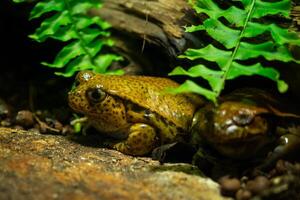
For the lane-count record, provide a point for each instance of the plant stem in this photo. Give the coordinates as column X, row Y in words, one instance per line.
column 229, row 63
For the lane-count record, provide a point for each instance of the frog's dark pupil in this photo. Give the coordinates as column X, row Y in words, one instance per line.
column 95, row 95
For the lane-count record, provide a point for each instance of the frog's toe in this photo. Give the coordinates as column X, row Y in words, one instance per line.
column 288, row 145
column 141, row 140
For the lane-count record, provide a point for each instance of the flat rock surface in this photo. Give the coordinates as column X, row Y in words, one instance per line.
column 36, row 166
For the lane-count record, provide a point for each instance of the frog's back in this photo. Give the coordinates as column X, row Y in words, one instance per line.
column 150, row 93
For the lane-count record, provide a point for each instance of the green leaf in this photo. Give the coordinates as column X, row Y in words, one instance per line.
column 257, row 69
column 235, row 16
column 115, row 72
column 68, row 53
column 246, row 3
column 248, row 70
column 83, row 22
column 67, row 33
column 19, row 1
column 209, row 53
column 241, row 25
column 82, row 7
column 280, row 35
column 78, row 64
column 50, row 26
column 64, row 34
column 86, row 35
column 104, row 61
column 263, row 8
column 217, row 30
column 94, row 47
column 282, row 86
column 190, row 86
column 206, row 6
column 212, row 76
column 90, row 34
column 43, row 7
column 268, row 50
column 83, row 63
column 193, row 28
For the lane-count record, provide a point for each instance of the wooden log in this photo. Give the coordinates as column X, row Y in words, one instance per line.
column 153, row 30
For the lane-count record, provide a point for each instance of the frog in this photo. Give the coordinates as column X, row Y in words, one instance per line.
column 136, row 112
column 248, row 124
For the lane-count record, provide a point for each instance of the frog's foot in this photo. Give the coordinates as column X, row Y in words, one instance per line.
column 288, row 145
column 141, row 140
column 174, row 152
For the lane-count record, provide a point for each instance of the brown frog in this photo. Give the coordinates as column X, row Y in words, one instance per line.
column 135, row 110
column 247, row 124
column 141, row 115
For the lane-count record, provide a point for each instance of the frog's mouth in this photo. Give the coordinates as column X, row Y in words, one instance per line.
column 256, row 146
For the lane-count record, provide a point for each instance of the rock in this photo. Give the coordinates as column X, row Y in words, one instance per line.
column 259, row 184
column 229, row 186
column 37, row 166
column 25, row 118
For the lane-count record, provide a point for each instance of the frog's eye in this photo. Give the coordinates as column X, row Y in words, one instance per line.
column 243, row 118
column 95, row 95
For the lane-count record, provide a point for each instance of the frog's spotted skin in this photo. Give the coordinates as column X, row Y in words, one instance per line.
column 116, row 104
column 142, row 138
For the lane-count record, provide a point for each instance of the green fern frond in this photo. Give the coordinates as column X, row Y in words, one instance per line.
column 85, row 36
column 242, row 26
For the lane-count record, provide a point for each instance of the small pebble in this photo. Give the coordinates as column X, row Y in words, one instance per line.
column 229, row 186
column 243, row 194
column 257, row 185
column 5, row 123
column 25, row 118
column 67, row 130
column 5, row 110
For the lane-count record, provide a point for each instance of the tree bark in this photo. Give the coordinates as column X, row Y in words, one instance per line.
column 153, row 30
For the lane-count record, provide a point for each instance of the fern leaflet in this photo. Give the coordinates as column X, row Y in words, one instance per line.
column 242, row 26
column 85, row 36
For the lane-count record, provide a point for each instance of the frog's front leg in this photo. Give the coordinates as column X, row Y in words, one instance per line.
column 288, row 145
column 140, row 141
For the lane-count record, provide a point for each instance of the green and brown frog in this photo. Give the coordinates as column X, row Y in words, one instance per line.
column 249, row 124
column 139, row 113
column 135, row 110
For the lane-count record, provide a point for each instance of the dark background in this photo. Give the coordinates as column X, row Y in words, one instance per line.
column 22, row 76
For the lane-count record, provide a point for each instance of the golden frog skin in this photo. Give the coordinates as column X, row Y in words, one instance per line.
column 136, row 110
column 246, row 125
